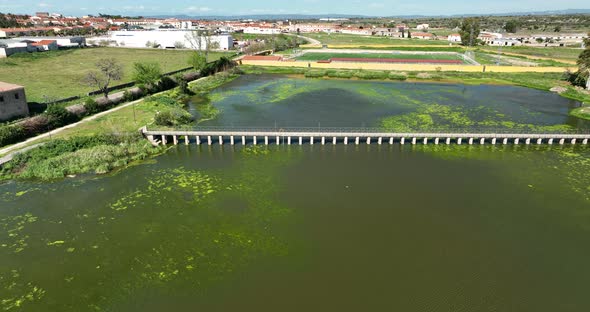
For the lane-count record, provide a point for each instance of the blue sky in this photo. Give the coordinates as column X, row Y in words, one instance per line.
column 243, row 7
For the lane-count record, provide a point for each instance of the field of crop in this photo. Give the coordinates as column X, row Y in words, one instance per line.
column 316, row 56
column 58, row 74
column 335, row 39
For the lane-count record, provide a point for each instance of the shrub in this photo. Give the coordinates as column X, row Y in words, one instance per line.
column 11, row 134
column 173, row 117
column 183, row 87
column 59, row 116
column 166, row 83
column 397, row 76
column 91, row 106
column 371, row 75
column 315, row 73
column 339, row 74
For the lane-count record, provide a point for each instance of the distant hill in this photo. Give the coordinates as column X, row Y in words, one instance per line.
column 319, row 16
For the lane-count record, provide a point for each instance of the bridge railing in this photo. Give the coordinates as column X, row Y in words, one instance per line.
column 481, row 130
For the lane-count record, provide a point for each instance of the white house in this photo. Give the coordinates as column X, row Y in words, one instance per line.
column 454, row 38
column 423, row 27
column 166, row 39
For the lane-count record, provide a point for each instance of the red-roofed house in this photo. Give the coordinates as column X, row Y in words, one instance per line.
column 46, row 45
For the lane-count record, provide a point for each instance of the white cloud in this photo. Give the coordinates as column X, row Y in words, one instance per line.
column 44, row 5
column 198, row 9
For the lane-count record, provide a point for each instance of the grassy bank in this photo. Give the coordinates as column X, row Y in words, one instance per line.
column 549, row 52
column 78, row 155
column 58, row 74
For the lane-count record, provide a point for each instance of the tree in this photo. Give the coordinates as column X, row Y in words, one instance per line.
column 409, row 34
column 511, row 26
column 557, row 29
column 197, row 60
column 584, row 63
column 108, row 70
column 146, row 73
column 200, row 41
column 469, row 31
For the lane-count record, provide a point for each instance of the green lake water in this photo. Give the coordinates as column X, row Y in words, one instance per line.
column 315, row 228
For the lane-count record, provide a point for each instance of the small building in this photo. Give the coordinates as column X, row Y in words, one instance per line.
column 46, row 45
column 423, row 27
column 421, row 35
column 454, row 38
column 13, row 102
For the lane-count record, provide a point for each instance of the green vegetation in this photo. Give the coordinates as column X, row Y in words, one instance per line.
column 469, row 31
column 57, row 74
column 549, row 52
column 316, row 56
column 146, row 73
column 345, row 39
column 60, row 158
column 513, row 60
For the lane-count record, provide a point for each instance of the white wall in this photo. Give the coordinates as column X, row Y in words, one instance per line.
column 166, row 38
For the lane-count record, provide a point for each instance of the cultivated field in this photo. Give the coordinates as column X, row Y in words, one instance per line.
column 345, row 39
column 58, row 74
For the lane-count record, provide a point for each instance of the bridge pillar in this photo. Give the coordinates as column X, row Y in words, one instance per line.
column 357, row 141
column 175, row 140
column 573, row 141
column 470, row 141
column 243, row 140
column 403, row 141
column 562, row 141
column 278, row 141
column 482, row 141
column 220, row 140
column 186, row 140
column 266, row 140
column 311, row 140
column 323, row 140
column 231, row 140
column 289, row 140
column 516, row 141
column 255, row 140
column 448, row 141
column 528, row 141
column 334, row 140
column 550, row 141
column 413, row 141
column 505, row 141
column 346, row 141
column 198, row 140
column 164, row 140
column 300, row 141
column 585, row 142
column 539, row 141
column 459, row 140
column 209, row 140
column 391, row 141
column 494, row 141
column 425, row 141
column 436, row 141
column 380, row 141
column 369, row 141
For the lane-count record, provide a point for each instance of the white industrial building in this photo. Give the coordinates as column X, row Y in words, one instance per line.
column 165, row 39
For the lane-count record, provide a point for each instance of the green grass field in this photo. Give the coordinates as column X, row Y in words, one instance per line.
column 325, row 38
column 552, row 52
column 58, row 74
column 316, row 56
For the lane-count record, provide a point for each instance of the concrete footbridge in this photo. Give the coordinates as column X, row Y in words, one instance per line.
column 356, row 136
